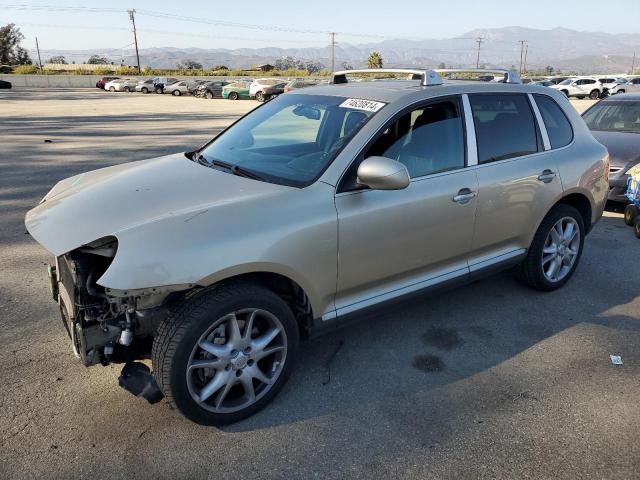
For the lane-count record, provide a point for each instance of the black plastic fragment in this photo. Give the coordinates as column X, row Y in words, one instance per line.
column 136, row 378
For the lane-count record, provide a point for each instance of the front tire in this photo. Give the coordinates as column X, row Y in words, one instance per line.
column 127, row 89
column 630, row 213
column 636, row 227
column 144, row 90
column 555, row 251
column 566, row 92
column 260, row 96
column 233, row 96
column 176, row 93
column 225, row 352
column 208, row 95
column 112, row 89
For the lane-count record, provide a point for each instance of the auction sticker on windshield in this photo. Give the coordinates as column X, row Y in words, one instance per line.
column 360, row 104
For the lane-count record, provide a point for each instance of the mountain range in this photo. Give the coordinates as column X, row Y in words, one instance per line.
column 564, row 49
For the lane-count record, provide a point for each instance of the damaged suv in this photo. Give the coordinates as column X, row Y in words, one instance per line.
column 314, row 207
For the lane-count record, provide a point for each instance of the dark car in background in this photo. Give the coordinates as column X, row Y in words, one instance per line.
column 210, row 89
column 5, row 85
column 271, row 91
column 615, row 123
column 296, row 84
column 100, row 83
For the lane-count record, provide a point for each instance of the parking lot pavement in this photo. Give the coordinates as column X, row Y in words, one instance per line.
column 492, row 380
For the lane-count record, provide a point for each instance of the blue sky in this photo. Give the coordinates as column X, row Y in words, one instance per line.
column 357, row 20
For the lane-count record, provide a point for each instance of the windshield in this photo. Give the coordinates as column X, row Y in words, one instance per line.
column 621, row 116
column 568, row 81
column 292, row 139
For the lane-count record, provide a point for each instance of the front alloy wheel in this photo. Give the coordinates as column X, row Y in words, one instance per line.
column 225, row 352
column 237, row 360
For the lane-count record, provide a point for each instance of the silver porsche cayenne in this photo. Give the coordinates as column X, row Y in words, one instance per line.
column 316, row 206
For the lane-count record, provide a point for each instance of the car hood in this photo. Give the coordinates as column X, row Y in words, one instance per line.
column 104, row 202
column 624, row 147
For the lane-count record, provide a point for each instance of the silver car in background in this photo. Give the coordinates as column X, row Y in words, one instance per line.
column 318, row 206
column 121, row 85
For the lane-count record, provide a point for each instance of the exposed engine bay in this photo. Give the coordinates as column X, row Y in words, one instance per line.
column 104, row 326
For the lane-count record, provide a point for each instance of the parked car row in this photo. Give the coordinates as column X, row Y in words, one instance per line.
column 593, row 87
column 261, row 89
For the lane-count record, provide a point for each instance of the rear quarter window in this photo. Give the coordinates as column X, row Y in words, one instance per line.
column 557, row 125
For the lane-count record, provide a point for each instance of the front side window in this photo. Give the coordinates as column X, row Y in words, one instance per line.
column 427, row 140
column 615, row 116
column 505, row 126
column 558, row 127
column 289, row 140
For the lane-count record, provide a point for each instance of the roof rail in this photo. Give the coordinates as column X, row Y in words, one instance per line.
column 510, row 76
column 426, row 77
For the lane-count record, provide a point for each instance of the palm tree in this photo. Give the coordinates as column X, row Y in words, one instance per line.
column 374, row 60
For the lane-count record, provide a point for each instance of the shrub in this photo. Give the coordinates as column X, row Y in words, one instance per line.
column 26, row 70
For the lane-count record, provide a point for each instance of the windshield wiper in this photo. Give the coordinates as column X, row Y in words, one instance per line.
column 234, row 169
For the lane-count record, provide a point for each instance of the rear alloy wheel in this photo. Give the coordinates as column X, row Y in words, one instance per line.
column 233, row 96
column 208, row 95
column 176, row 93
column 555, row 251
column 630, row 214
column 127, row 89
column 224, row 353
column 594, row 94
column 112, row 89
column 260, row 96
column 144, row 90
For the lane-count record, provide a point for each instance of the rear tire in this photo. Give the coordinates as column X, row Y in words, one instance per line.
column 619, row 91
column 233, row 96
column 594, row 94
column 201, row 329
column 631, row 212
column 144, row 90
column 176, row 93
column 112, row 89
column 208, row 95
column 534, row 270
column 636, row 227
column 159, row 90
column 126, row 89
column 260, row 96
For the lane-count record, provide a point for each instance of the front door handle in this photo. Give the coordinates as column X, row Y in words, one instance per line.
column 465, row 195
column 547, row 176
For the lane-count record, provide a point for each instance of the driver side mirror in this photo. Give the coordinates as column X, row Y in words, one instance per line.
column 382, row 173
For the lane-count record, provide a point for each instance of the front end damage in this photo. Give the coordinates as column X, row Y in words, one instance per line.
column 104, row 325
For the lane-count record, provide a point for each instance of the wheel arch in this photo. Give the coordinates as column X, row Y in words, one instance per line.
column 580, row 202
column 285, row 287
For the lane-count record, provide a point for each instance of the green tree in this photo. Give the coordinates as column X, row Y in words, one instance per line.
column 220, row 67
column 374, row 60
column 58, row 59
column 97, row 60
column 11, row 53
column 442, row 66
column 549, row 70
column 189, row 65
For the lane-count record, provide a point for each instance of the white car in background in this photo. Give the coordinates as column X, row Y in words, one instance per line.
column 256, row 89
column 178, row 88
column 614, row 85
column 633, row 85
column 121, row 85
column 580, row 87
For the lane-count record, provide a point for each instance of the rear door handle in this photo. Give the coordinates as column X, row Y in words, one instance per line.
column 465, row 195
column 547, row 176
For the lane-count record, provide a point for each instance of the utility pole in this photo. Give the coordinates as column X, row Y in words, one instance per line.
column 526, row 50
column 333, row 51
column 39, row 59
column 135, row 36
column 522, row 43
column 633, row 63
column 479, row 40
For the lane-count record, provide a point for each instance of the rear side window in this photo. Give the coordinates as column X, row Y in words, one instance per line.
column 558, row 127
column 505, row 126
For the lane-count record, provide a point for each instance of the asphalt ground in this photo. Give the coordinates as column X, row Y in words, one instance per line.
column 492, row 380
